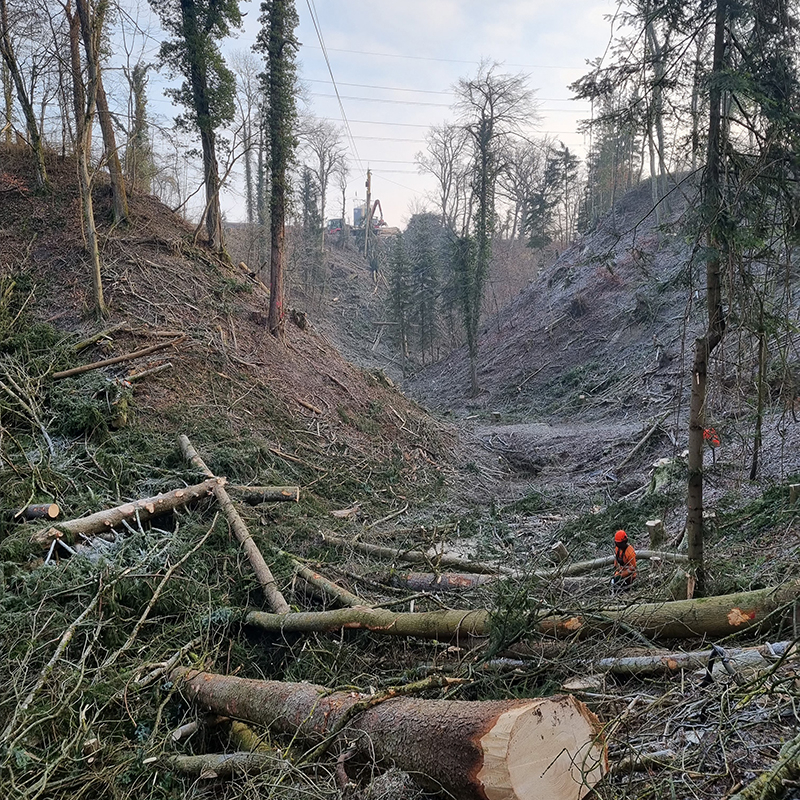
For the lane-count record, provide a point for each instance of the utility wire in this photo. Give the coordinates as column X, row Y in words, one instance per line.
column 312, row 9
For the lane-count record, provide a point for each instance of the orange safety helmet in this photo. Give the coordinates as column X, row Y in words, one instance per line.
column 620, row 536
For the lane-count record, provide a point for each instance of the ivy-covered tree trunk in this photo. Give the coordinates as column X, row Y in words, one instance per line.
column 705, row 344
column 278, row 42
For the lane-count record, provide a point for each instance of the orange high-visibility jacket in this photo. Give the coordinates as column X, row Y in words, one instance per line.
column 625, row 562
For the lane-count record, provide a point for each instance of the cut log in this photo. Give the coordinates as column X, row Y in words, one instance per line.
column 439, row 625
column 681, row 619
column 255, row 495
column 112, row 517
column 68, row 373
column 37, row 511
column 745, row 658
column 509, row 750
column 443, row 582
column 262, row 571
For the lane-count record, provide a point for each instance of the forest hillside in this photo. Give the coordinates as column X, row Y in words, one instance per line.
column 463, row 563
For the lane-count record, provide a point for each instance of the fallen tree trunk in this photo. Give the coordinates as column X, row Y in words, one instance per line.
column 68, row 373
column 513, row 749
column 772, row 784
column 417, row 556
column 443, row 582
column 255, row 495
column 680, row 619
column 748, row 658
column 262, row 571
column 439, row 625
column 111, row 517
column 465, row 565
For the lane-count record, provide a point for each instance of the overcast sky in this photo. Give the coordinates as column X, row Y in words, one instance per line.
column 395, row 65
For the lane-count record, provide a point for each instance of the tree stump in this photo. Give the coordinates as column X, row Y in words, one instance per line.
column 655, row 529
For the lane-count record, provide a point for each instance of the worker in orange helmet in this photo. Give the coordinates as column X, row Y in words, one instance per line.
column 624, row 561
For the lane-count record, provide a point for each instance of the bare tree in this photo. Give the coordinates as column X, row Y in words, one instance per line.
column 445, row 161
column 323, row 141
column 9, row 57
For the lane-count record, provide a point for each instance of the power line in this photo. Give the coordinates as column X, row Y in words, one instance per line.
column 438, row 105
column 446, row 60
column 312, row 8
column 450, row 92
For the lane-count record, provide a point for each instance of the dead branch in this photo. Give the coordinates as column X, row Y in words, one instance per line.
column 222, row 765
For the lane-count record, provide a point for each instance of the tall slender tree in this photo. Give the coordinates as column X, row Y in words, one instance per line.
column 277, row 41
column 492, row 107
column 208, row 90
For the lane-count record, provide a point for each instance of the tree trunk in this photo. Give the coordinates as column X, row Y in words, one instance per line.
column 118, row 196
column 111, row 517
column 83, row 146
column 32, row 127
column 465, row 565
column 747, row 658
column 211, row 176
column 8, row 98
column 514, row 749
column 262, row 571
column 704, row 345
column 680, row 619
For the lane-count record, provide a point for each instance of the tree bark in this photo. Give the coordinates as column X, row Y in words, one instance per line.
column 514, row 749
column 262, row 571
column 704, row 345
column 679, row 619
column 111, row 517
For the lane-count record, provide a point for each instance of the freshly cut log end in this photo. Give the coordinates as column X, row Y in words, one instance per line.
column 545, row 749
column 548, row 748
